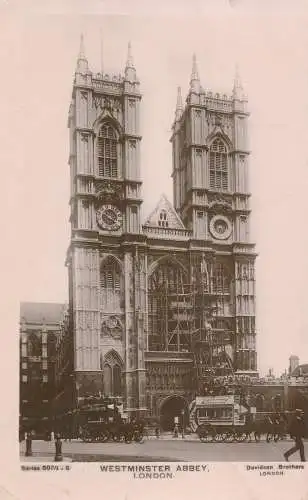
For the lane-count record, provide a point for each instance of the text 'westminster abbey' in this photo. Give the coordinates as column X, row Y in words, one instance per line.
column 156, row 308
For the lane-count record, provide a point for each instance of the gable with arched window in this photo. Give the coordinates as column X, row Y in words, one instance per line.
column 107, row 151
column 218, row 165
column 111, row 285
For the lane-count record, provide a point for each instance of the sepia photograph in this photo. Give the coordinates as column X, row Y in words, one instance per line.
column 163, row 298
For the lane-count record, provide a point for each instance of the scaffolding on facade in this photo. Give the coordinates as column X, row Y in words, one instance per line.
column 192, row 316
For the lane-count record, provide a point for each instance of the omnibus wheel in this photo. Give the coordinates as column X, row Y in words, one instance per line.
column 230, row 437
column 207, row 437
column 220, row 437
column 240, row 437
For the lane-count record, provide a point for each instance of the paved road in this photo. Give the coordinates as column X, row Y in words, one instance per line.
column 166, row 450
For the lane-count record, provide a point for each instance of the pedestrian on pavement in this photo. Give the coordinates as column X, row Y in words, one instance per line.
column 52, row 436
column 176, row 431
column 297, row 432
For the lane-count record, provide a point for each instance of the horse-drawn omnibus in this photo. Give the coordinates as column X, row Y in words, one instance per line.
column 226, row 419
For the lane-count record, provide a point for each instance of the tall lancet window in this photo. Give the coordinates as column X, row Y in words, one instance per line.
column 110, row 280
column 107, row 153
column 218, row 166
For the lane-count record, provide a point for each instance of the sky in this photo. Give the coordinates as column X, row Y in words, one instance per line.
column 38, row 57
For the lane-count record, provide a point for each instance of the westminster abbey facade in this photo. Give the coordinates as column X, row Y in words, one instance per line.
column 145, row 295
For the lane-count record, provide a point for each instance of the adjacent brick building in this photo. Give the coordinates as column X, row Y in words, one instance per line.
column 40, row 326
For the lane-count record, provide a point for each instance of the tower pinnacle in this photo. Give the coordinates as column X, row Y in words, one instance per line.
column 130, row 71
column 102, row 53
column 238, row 91
column 179, row 105
column 129, row 62
column 81, row 49
column 194, row 79
column 82, row 62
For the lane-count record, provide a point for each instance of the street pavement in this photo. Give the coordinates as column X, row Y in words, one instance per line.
column 162, row 450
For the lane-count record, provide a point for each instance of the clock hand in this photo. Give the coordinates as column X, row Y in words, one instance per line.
column 110, row 218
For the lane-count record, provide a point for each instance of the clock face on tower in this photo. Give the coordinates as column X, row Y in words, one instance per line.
column 109, row 217
column 220, row 227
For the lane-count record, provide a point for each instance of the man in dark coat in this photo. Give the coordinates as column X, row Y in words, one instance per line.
column 297, row 432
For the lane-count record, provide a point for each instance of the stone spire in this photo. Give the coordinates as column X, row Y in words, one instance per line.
column 82, row 62
column 102, row 54
column 238, row 91
column 179, row 105
column 130, row 71
column 194, row 79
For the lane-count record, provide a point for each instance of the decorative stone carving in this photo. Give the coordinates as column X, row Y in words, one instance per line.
column 112, row 327
column 108, row 191
column 113, row 104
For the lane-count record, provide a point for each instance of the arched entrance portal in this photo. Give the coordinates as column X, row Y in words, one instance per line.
column 171, row 409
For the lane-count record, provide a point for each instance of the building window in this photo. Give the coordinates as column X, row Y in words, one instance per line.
column 134, row 227
column 107, row 151
column 24, row 378
column 112, row 374
column 107, row 380
column 35, row 345
column 163, row 219
column 24, row 365
column 45, row 366
column 110, row 281
column 218, row 166
column 45, row 379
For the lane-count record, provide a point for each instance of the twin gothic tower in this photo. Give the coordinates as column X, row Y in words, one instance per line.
column 141, row 295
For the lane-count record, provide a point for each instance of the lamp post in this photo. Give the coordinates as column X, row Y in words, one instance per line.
column 77, row 407
column 183, row 422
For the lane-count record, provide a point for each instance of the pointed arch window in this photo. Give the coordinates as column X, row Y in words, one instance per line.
column 107, row 380
column 218, row 165
column 107, row 151
column 112, row 374
column 110, row 284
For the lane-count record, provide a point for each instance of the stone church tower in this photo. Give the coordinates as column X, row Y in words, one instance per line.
column 211, row 195
column 155, row 308
column 106, row 259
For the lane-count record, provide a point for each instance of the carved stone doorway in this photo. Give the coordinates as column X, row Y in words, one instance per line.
column 173, row 408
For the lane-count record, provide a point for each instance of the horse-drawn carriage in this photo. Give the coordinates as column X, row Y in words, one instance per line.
column 225, row 419
column 118, row 430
